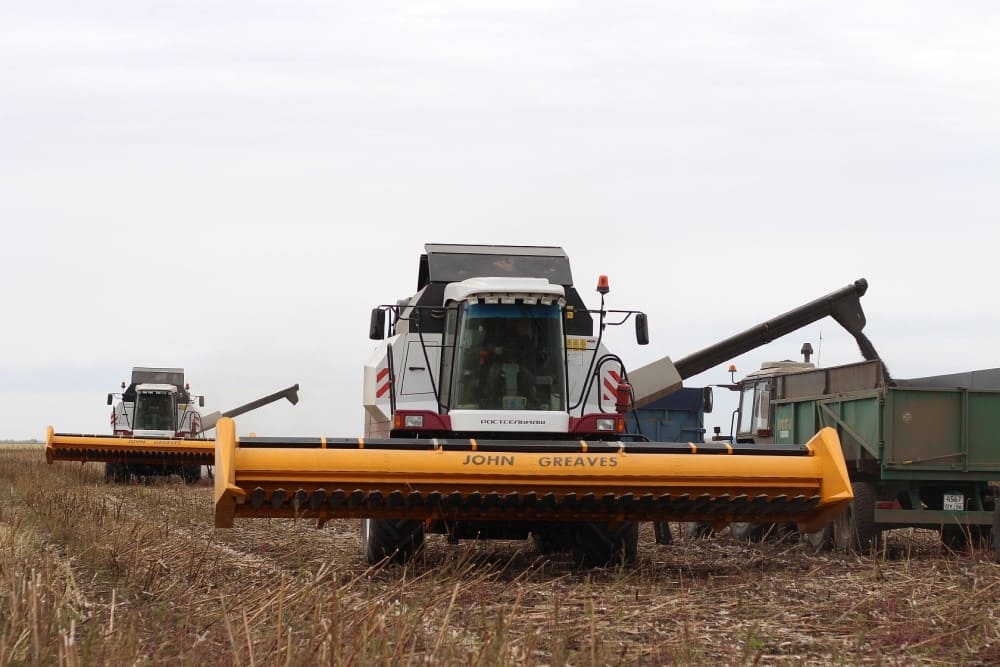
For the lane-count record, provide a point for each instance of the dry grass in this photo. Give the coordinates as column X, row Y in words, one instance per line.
column 92, row 573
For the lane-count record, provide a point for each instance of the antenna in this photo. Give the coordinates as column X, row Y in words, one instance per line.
column 819, row 348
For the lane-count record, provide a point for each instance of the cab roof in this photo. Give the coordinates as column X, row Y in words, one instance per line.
column 452, row 263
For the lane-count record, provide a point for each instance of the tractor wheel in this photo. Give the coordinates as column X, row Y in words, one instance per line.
column 597, row 544
column 820, row 540
column 750, row 532
column 191, row 474
column 854, row 531
column 395, row 539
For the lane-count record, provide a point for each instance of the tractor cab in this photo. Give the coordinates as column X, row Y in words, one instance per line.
column 752, row 418
column 756, row 392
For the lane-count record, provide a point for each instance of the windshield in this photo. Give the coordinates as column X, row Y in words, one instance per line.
column 755, row 408
column 507, row 356
column 154, row 412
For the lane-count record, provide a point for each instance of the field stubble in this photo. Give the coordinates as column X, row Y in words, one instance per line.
column 92, row 573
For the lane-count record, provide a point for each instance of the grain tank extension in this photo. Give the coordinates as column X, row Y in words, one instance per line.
column 494, row 410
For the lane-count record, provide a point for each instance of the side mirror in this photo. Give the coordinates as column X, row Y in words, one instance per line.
column 376, row 330
column 641, row 329
column 111, row 399
column 201, row 401
column 707, row 399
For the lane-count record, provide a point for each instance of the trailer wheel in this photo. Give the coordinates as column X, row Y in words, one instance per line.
column 854, row 530
column 597, row 544
column 396, row 540
column 820, row 540
column 996, row 532
column 954, row 537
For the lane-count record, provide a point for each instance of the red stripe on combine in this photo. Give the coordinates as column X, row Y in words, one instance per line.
column 381, row 374
column 611, row 384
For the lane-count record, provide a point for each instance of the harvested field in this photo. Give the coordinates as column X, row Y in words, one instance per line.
column 94, row 573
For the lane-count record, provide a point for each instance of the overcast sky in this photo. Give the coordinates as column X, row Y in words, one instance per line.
column 230, row 187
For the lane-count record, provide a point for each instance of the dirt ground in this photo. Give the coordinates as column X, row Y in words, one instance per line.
column 138, row 574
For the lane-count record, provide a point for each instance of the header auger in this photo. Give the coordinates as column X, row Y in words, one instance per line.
column 493, row 410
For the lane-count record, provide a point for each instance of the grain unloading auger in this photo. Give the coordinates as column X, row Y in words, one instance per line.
column 157, row 429
column 494, row 410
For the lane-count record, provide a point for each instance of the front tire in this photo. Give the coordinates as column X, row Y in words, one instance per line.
column 597, row 544
column 749, row 532
column 697, row 530
column 662, row 533
column 820, row 541
column 552, row 539
column 191, row 474
column 855, row 530
column 394, row 539
column 115, row 473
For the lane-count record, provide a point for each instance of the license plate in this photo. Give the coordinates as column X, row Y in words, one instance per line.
column 954, row 502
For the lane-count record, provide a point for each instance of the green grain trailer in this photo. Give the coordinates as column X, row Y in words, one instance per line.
column 921, row 453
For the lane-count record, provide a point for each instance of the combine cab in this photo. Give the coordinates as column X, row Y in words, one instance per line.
column 157, row 429
column 494, row 410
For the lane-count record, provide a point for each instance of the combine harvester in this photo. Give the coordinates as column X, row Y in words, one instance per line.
column 494, row 410
column 157, row 429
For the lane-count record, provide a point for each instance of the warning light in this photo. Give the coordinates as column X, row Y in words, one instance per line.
column 602, row 285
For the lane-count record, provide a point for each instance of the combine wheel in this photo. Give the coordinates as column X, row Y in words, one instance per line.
column 854, row 531
column 597, row 544
column 697, row 529
column 115, row 473
column 553, row 539
column 821, row 540
column 191, row 474
column 662, row 533
column 396, row 540
column 750, row 532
